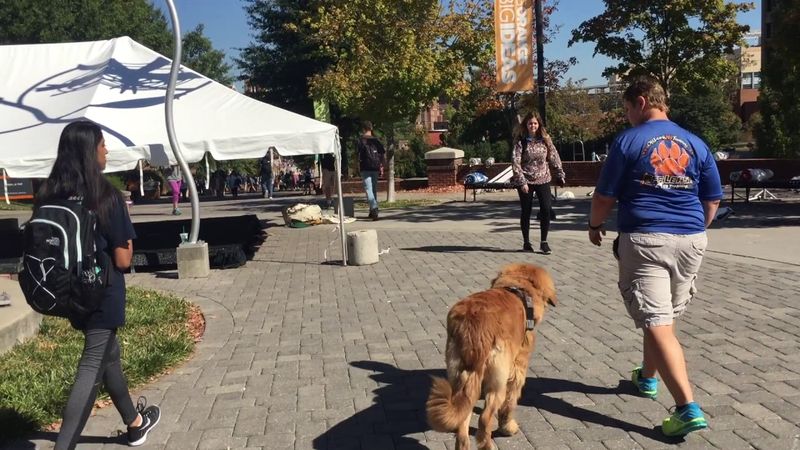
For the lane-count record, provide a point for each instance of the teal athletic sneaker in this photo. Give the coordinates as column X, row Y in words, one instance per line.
column 648, row 387
column 684, row 420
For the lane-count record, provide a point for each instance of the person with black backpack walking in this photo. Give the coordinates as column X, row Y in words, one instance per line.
column 370, row 161
column 77, row 175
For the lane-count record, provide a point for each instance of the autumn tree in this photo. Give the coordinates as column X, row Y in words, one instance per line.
column 677, row 42
column 574, row 114
column 389, row 59
column 485, row 113
column 45, row 21
column 778, row 132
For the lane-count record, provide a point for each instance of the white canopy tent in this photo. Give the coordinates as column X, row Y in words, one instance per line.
column 121, row 85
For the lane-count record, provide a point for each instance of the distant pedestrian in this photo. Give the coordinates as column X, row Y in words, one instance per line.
column 668, row 188
column 370, row 161
column 308, row 181
column 234, row 182
column 175, row 180
column 266, row 175
column 532, row 159
column 328, row 164
column 77, row 173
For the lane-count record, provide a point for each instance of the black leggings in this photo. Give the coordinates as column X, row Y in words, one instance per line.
column 526, row 204
column 100, row 360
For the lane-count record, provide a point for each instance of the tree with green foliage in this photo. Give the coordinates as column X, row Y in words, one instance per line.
column 707, row 112
column 46, row 21
column 281, row 59
column 778, row 130
column 388, row 61
column 573, row 113
column 199, row 55
column 680, row 43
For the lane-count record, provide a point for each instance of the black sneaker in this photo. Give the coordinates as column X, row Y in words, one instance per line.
column 150, row 417
column 373, row 214
column 545, row 248
column 527, row 247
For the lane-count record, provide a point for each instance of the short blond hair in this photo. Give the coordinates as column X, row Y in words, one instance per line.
column 648, row 88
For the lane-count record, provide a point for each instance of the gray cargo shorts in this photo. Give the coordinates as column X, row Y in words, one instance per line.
column 657, row 273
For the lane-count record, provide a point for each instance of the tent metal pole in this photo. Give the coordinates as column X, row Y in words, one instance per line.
column 141, row 179
column 173, row 141
column 5, row 186
column 338, row 155
column 208, row 173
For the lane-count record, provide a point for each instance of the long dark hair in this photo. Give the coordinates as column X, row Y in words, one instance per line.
column 77, row 174
column 541, row 133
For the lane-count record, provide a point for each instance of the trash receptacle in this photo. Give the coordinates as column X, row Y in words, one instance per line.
column 349, row 206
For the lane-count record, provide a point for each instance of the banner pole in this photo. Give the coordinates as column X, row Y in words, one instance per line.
column 540, row 61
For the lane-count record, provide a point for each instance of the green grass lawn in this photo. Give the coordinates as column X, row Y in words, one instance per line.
column 399, row 204
column 37, row 375
column 14, row 206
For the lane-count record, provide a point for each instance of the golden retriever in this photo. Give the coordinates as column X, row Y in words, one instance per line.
column 488, row 348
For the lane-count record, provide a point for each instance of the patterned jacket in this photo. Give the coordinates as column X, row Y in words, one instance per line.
column 531, row 164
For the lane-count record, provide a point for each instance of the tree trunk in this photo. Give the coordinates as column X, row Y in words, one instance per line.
column 390, row 170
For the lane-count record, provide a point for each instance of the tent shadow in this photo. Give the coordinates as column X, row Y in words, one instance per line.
column 396, row 414
column 534, row 394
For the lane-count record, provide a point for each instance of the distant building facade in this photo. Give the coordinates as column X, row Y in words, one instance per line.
column 433, row 121
column 749, row 60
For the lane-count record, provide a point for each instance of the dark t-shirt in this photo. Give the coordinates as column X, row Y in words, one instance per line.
column 328, row 162
column 111, row 314
column 266, row 167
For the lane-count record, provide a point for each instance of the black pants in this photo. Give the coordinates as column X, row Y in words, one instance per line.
column 542, row 192
column 100, row 361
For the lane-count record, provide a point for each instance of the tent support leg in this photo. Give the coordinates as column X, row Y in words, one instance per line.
column 341, row 202
column 5, row 187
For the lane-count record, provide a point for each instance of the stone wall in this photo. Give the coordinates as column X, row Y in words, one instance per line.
column 586, row 173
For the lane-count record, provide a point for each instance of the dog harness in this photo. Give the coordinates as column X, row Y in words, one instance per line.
column 526, row 302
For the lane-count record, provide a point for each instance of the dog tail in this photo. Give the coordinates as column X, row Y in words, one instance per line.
column 448, row 406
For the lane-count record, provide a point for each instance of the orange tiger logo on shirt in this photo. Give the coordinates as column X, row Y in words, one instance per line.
column 669, row 160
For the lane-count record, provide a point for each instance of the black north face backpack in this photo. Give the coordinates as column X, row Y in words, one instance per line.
column 61, row 274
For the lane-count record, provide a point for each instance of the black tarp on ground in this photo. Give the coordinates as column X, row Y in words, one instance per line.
column 231, row 241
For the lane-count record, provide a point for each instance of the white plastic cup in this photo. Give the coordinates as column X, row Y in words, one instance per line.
column 184, row 237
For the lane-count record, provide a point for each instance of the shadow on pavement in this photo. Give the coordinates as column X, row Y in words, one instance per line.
column 534, row 394
column 460, row 249
column 397, row 412
column 31, row 441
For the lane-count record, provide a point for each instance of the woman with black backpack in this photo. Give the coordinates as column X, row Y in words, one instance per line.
column 77, row 175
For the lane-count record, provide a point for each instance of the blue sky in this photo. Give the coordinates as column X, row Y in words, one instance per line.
column 226, row 25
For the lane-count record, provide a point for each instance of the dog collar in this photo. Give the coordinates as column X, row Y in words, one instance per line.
column 527, row 302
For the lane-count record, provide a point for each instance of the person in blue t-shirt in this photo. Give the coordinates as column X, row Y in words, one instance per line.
column 668, row 188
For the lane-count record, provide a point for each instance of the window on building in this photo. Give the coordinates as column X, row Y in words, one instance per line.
column 747, row 80
column 756, row 80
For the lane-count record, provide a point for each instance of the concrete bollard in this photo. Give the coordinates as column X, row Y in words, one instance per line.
column 362, row 247
column 193, row 260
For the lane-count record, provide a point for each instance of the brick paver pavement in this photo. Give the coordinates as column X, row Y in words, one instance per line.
column 303, row 354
